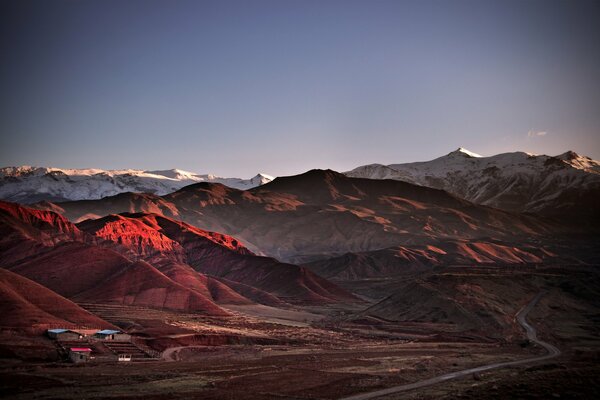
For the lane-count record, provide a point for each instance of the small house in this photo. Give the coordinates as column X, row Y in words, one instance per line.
column 80, row 354
column 63, row 334
column 109, row 334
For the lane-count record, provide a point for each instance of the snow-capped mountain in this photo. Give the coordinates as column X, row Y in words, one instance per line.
column 27, row 184
column 516, row 181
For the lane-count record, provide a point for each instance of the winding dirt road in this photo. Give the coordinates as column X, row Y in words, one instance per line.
column 552, row 352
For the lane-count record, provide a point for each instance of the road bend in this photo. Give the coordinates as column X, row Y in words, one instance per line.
column 551, row 352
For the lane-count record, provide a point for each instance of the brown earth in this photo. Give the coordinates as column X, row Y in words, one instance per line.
column 322, row 214
column 329, row 352
column 403, row 260
column 149, row 260
column 173, row 247
column 26, row 304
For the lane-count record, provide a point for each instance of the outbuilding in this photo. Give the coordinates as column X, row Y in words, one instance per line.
column 63, row 334
column 109, row 334
column 80, row 354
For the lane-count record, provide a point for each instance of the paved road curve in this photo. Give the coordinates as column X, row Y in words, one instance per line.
column 552, row 352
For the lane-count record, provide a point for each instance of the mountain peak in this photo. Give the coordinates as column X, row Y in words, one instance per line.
column 261, row 175
column 314, row 186
column 568, row 155
column 173, row 173
column 261, row 179
column 461, row 151
column 580, row 162
column 320, row 175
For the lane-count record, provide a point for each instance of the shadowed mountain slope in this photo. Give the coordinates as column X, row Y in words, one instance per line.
column 321, row 214
column 401, row 260
column 95, row 274
column 28, row 304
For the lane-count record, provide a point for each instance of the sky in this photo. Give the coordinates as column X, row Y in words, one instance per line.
column 280, row 87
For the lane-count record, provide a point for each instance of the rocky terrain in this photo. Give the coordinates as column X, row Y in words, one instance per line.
column 322, row 213
column 561, row 186
column 347, row 285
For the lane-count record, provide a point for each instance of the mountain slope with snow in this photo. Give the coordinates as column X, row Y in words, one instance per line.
column 31, row 184
column 518, row 181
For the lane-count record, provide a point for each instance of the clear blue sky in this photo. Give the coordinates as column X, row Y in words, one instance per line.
column 237, row 87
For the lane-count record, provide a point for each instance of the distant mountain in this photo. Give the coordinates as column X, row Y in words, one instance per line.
column 321, row 214
column 567, row 185
column 32, row 184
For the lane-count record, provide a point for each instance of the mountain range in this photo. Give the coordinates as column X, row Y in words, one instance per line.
column 321, row 214
column 142, row 260
column 28, row 184
column 293, row 241
column 563, row 186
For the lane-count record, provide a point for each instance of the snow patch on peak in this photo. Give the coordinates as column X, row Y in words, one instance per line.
column 261, row 179
column 580, row 162
column 173, row 173
column 28, row 184
column 373, row 171
column 265, row 176
column 516, row 181
column 464, row 152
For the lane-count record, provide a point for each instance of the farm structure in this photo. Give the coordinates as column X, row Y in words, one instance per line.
column 80, row 354
column 109, row 334
column 105, row 345
column 63, row 334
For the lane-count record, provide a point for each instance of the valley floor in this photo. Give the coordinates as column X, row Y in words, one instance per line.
column 242, row 372
column 327, row 353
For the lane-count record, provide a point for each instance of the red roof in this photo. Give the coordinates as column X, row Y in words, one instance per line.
column 81, row 349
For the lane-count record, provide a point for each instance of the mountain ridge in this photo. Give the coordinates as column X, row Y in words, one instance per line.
column 28, row 184
column 321, row 214
column 555, row 186
column 150, row 260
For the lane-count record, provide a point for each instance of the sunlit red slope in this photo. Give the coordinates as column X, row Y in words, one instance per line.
column 25, row 232
column 48, row 249
column 173, row 246
column 145, row 238
column 151, row 235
